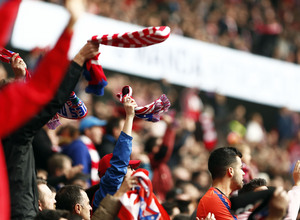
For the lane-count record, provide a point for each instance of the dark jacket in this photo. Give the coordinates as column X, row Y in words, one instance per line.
column 19, row 153
column 107, row 146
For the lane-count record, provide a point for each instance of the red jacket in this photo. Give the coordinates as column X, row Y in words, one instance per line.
column 21, row 101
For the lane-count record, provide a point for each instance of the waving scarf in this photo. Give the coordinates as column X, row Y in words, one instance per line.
column 150, row 112
column 146, row 37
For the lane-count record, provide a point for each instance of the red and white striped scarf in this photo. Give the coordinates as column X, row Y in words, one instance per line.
column 143, row 38
column 141, row 203
column 150, row 112
column 95, row 159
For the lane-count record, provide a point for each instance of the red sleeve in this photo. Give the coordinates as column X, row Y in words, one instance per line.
column 4, row 190
column 21, row 101
column 8, row 13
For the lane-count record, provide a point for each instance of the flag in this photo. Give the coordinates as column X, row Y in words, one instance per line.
column 141, row 203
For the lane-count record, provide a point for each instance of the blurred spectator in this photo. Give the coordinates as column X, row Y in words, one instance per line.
column 74, row 148
column 255, row 129
column 80, row 179
column 286, row 125
column 91, row 130
column 294, row 148
column 160, row 150
column 112, row 132
column 191, row 104
column 46, row 197
column 61, row 170
column 42, row 174
column 248, row 167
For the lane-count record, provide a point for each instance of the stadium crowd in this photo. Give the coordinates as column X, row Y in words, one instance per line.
column 173, row 152
column 264, row 27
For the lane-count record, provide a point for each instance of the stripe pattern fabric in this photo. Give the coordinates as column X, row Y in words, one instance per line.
column 141, row 203
column 142, row 38
column 150, row 112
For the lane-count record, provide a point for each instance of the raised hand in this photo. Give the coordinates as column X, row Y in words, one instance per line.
column 127, row 184
column 76, row 9
column 88, row 51
column 18, row 66
column 129, row 106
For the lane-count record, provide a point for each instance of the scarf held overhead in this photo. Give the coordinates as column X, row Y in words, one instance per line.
column 150, row 112
column 74, row 108
column 143, row 38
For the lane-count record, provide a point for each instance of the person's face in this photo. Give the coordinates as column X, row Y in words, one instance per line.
column 95, row 133
column 85, row 212
column 47, row 200
column 238, row 174
column 67, row 165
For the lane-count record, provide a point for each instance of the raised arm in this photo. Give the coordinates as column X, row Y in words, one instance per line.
column 74, row 72
column 129, row 105
column 113, row 177
column 23, row 100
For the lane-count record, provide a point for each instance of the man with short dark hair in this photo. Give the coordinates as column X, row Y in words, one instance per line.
column 74, row 199
column 227, row 173
column 112, row 132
